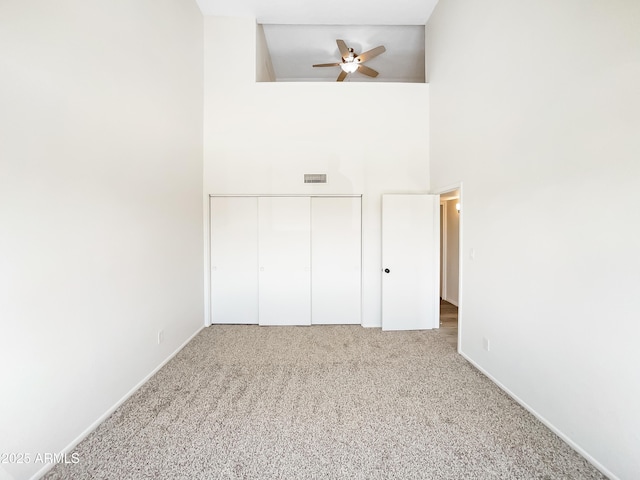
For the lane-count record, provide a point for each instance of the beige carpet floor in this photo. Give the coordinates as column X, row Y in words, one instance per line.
column 322, row 402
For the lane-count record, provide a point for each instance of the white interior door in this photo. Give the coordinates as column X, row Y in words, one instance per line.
column 234, row 260
column 410, row 261
column 284, row 293
column 336, row 259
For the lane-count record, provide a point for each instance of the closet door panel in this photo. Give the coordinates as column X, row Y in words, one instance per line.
column 336, row 256
column 284, row 260
column 234, row 260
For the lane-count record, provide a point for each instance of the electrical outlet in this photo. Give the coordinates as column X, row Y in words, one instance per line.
column 485, row 343
column 160, row 336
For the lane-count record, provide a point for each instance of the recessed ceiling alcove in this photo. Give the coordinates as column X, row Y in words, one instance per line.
column 295, row 48
column 300, row 33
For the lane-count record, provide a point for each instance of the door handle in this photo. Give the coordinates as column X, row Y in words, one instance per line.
column 386, row 270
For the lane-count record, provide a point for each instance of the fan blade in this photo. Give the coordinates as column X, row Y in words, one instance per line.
column 363, row 57
column 367, row 71
column 342, row 76
column 326, row 65
column 344, row 50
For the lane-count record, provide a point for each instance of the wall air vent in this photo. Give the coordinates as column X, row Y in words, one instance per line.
column 315, row 178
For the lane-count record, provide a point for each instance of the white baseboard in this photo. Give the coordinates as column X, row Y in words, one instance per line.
column 40, row 473
column 548, row 424
column 366, row 325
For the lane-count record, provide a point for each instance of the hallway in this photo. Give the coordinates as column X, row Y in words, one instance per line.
column 449, row 322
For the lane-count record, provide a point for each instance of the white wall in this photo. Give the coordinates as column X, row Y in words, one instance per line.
column 100, row 208
column 534, row 106
column 260, row 138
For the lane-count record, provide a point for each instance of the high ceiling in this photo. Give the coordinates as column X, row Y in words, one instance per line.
column 325, row 12
column 300, row 33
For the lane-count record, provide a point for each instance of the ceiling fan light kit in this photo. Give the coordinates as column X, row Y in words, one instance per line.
column 352, row 62
column 349, row 67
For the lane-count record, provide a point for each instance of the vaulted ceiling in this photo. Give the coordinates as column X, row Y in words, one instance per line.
column 301, row 33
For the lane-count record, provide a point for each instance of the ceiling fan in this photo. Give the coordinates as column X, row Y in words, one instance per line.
column 352, row 62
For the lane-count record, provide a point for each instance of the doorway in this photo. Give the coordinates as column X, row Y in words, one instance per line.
column 450, row 208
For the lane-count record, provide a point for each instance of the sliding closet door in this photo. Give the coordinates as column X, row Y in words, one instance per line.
column 234, row 260
column 335, row 260
column 284, row 259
